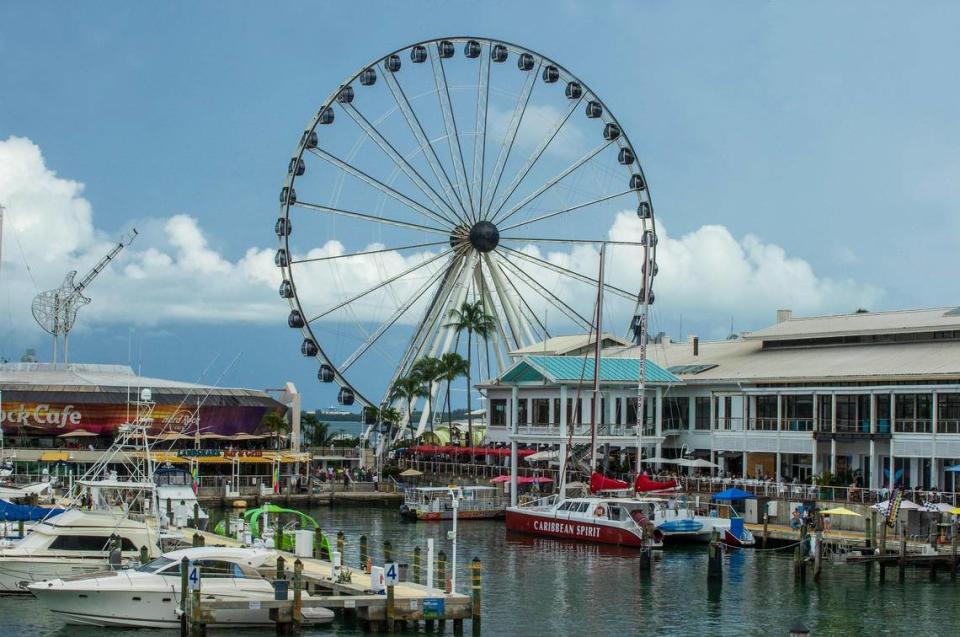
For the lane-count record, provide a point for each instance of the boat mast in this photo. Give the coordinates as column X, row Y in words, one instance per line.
column 641, row 338
column 595, row 412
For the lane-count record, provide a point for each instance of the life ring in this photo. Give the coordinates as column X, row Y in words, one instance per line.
column 600, row 511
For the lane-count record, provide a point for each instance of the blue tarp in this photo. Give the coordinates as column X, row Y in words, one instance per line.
column 10, row 512
column 955, row 468
column 733, row 494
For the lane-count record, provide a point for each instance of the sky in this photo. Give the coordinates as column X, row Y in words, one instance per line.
column 800, row 155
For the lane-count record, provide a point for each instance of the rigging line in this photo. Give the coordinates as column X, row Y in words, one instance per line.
column 536, row 319
column 572, row 274
column 435, row 164
column 565, row 210
column 379, row 185
column 396, row 157
column 366, row 217
column 369, row 252
column 381, row 284
column 537, row 153
column 480, row 149
column 553, row 181
column 505, row 147
column 386, row 325
column 447, row 108
column 548, row 295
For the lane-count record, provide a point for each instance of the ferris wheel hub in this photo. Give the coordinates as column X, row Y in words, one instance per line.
column 484, row 236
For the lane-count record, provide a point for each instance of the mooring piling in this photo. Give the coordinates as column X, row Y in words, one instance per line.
column 715, row 560
column 417, row 574
column 475, row 590
column 364, row 553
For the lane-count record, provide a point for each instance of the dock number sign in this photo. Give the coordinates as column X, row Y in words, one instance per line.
column 193, row 576
column 391, row 574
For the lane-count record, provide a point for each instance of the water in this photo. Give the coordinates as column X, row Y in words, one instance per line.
column 546, row 587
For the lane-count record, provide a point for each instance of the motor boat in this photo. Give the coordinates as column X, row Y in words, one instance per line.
column 436, row 503
column 75, row 542
column 176, row 497
column 615, row 520
column 150, row 596
column 680, row 520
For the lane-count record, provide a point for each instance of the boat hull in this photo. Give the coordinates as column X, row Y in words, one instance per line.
column 535, row 523
column 16, row 573
column 435, row 516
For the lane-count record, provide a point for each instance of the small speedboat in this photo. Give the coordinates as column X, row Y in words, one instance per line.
column 149, row 596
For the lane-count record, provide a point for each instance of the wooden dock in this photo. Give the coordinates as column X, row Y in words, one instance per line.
column 350, row 594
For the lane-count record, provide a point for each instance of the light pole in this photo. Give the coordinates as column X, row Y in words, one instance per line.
column 455, row 496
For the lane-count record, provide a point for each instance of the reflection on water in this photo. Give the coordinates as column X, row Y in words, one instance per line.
column 535, row 586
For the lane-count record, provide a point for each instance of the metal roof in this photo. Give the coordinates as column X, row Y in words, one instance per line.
column 898, row 322
column 565, row 344
column 580, row 369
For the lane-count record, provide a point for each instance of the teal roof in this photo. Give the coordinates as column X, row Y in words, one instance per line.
column 577, row 369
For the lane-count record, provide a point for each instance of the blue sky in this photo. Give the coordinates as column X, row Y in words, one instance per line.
column 827, row 130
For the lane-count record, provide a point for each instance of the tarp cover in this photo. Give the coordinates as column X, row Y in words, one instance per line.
column 733, row 494
column 599, row 482
column 645, row 484
column 10, row 512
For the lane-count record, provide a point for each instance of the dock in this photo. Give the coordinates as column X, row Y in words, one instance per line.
column 350, row 594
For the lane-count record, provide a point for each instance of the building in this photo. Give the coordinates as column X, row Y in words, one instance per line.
column 41, row 403
column 859, row 396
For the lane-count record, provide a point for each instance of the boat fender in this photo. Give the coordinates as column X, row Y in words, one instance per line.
column 600, row 511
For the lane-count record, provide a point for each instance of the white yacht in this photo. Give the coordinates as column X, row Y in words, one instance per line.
column 75, row 542
column 176, row 497
column 149, row 596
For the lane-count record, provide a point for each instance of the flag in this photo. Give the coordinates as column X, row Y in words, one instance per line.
column 195, row 474
column 276, row 477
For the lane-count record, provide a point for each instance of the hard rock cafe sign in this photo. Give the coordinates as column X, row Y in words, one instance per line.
column 40, row 415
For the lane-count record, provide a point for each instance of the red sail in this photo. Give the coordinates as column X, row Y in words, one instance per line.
column 644, row 484
column 600, row 483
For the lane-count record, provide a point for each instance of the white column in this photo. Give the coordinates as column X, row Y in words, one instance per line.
column 833, row 428
column 658, row 414
column 691, row 413
column 779, row 414
column 779, row 471
column 713, row 433
column 813, row 459
column 743, row 465
column 934, row 478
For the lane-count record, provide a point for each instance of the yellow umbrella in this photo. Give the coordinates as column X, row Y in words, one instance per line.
column 955, row 511
column 840, row 511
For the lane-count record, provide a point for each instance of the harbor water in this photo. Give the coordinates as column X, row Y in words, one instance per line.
column 533, row 586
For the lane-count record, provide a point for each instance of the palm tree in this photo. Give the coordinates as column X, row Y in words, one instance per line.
column 452, row 367
column 317, row 433
column 474, row 319
column 275, row 424
column 408, row 389
column 429, row 371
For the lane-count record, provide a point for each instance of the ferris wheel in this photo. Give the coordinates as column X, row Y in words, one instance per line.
column 451, row 171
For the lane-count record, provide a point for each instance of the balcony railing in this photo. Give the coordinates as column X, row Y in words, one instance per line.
column 948, row 426
column 583, row 429
column 913, row 425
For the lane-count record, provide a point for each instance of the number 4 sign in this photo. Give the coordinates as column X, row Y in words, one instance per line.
column 391, row 574
column 193, row 576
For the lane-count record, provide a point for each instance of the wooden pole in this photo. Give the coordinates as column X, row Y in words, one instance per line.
column 883, row 538
column 715, row 560
column 281, row 571
column 297, row 594
column 818, row 556
column 441, row 571
column 417, row 573
column 341, row 542
column 391, row 609
column 475, row 602
column 766, row 520
column 278, row 537
column 184, row 586
column 953, row 552
column 387, row 551
column 197, row 540
column 364, row 553
column 196, row 514
column 318, row 544
column 144, row 554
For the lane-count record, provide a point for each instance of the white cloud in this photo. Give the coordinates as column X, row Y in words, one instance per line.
column 174, row 275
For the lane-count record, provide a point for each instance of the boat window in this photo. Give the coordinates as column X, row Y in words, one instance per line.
column 565, row 506
column 219, row 569
column 614, row 513
column 582, row 507
column 87, row 543
column 155, row 565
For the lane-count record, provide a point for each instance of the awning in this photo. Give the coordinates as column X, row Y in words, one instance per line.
column 78, row 433
column 733, row 494
column 212, row 460
column 253, row 460
column 54, row 456
column 170, row 457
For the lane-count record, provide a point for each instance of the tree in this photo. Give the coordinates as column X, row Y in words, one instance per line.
column 276, row 425
column 407, row 388
column 317, row 433
column 474, row 319
column 429, row 371
column 452, row 367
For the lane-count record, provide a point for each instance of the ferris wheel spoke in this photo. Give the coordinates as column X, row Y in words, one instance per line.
column 523, row 300
column 389, row 322
column 369, row 252
column 608, row 242
column 553, row 181
column 570, row 273
column 506, row 307
column 373, row 218
column 397, row 158
column 450, row 126
column 381, row 284
column 480, row 142
column 555, row 213
column 549, row 296
column 426, row 148
column 535, row 156
column 509, row 138
column 382, row 187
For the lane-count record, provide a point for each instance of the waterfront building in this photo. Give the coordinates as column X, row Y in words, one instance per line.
column 860, row 396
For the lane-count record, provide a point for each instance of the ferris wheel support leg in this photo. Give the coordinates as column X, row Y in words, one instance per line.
column 500, row 337
column 506, row 301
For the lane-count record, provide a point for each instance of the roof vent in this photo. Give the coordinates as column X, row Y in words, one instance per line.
column 784, row 315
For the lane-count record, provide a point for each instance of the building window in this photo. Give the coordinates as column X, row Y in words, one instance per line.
column 676, row 413
column 522, row 411
column 574, row 416
column 541, row 411
column 948, row 413
column 498, row 412
column 913, row 413
column 702, row 410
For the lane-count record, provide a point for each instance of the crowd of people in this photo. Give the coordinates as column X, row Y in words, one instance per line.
column 346, row 475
